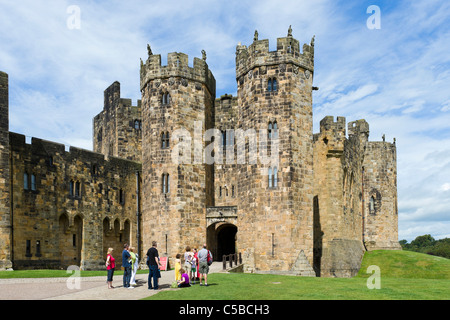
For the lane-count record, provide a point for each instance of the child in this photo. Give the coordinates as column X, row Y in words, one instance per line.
column 184, row 279
column 178, row 267
column 194, row 266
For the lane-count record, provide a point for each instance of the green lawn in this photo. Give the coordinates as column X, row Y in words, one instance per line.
column 403, row 276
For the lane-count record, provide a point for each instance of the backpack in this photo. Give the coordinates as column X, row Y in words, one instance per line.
column 209, row 259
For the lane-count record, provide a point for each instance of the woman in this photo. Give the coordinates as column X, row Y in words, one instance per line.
column 134, row 265
column 110, row 265
column 187, row 259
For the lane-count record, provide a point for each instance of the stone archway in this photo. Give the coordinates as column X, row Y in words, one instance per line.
column 221, row 239
column 221, row 230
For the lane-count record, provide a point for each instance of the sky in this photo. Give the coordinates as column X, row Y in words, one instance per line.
column 389, row 65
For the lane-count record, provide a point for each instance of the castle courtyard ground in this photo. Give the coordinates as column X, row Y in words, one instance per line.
column 91, row 288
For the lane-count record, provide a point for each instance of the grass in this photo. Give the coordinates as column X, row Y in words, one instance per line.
column 404, row 276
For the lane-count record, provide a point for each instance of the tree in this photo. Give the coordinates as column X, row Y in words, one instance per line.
column 423, row 241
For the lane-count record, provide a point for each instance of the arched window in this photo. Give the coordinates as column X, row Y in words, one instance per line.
column 272, row 130
column 137, row 124
column 165, row 137
column 273, row 177
column 71, row 188
column 165, row 98
column 272, row 85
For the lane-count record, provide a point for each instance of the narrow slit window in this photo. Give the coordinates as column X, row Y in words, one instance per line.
column 269, row 85
column 33, row 182
column 270, row 178
column 77, row 189
column 25, row 181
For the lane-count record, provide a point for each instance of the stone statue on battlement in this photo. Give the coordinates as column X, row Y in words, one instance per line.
column 149, row 50
column 289, row 32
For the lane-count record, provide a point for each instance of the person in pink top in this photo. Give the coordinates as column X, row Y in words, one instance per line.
column 110, row 265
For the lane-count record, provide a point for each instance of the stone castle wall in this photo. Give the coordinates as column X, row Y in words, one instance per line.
column 69, row 207
column 5, row 195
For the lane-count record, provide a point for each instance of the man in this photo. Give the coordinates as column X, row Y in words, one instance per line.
column 203, row 263
column 153, row 266
column 126, row 264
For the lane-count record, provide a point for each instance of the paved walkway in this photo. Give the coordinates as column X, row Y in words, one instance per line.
column 90, row 288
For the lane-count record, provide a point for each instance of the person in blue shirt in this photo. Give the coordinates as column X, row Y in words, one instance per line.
column 126, row 264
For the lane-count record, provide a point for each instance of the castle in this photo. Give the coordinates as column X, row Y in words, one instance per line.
column 243, row 174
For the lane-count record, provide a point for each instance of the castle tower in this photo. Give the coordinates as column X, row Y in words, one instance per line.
column 5, row 213
column 380, row 196
column 177, row 108
column 338, row 246
column 275, row 96
column 118, row 128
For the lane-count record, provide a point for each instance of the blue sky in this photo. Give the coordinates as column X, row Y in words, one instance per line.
column 396, row 77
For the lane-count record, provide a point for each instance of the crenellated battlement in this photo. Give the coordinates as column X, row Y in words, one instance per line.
column 177, row 66
column 328, row 124
column 288, row 52
column 358, row 127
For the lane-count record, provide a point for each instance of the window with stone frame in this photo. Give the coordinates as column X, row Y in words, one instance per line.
column 33, row 182
column 25, row 181
column 165, row 183
column 165, row 98
column 121, row 197
column 272, row 85
column 137, row 124
column 77, row 189
column 273, row 177
column 272, row 130
column 71, row 188
column 165, row 138
column 372, row 205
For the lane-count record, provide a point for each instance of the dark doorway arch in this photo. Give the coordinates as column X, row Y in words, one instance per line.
column 222, row 239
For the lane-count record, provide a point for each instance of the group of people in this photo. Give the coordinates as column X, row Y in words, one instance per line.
column 196, row 265
column 130, row 263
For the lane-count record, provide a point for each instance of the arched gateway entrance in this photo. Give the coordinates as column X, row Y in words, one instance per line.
column 221, row 233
